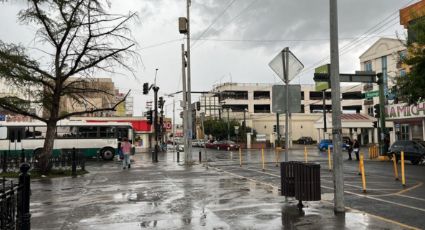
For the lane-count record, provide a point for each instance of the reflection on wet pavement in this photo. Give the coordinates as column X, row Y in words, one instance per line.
column 169, row 196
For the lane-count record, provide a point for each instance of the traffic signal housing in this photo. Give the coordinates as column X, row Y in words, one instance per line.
column 198, row 105
column 377, row 111
column 274, row 128
column 145, row 88
column 375, row 124
column 161, row 102
column 149, row 116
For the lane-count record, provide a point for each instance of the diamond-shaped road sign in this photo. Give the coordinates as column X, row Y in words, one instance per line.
column 294, row 65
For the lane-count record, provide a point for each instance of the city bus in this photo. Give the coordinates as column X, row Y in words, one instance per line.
column 90, row 139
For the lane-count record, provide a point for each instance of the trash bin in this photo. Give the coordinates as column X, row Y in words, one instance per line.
column 307, row 181
column 300, row 180
column 287, row 178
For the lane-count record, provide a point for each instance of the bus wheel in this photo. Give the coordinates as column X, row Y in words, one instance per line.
column 107, row 153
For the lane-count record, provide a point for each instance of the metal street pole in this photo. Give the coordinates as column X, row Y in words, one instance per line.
column 155, row 121
column 277, row 130
column 244, row 125
column 382, row 135
column 324, row 114
column 185, row 121
column 203, row 130
column 189, row 97
column 228, row 125
column 285, row 60
column 338, row 176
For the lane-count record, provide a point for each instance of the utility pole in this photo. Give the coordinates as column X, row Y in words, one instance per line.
column 338, row 176
column 185, row 112
column 228, row 125
column 244, row 124
column 189, row 91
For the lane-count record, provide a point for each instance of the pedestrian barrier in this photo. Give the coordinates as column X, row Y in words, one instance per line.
column 395, row 167
column 373, row 152
column 240, row 157
column 329, row 159
column 361, row 163
column 200, row 156
column 262, row 159
column 15, row 202
column 301, row 180
column 403, row 178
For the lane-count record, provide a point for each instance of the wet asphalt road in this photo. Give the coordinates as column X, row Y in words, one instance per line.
column 385, row 197
column 169, row 195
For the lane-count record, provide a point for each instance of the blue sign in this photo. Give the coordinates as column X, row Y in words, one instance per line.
column 2, row 117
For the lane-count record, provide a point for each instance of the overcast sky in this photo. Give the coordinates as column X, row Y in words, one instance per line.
column 242, row 37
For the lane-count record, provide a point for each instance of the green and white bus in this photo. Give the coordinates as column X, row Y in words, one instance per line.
column 91, row 139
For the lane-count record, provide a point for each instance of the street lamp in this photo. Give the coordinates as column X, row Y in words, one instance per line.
column 244, row 122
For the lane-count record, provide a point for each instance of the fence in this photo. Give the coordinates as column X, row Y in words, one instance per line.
column 68, row 159
column 15, row 202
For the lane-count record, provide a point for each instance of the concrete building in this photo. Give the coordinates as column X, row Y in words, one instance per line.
column 253, row 103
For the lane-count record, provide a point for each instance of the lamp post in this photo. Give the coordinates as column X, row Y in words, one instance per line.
column 244, row 123
column 228, row 124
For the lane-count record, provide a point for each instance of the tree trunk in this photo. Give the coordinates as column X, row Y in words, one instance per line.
column 48, row 147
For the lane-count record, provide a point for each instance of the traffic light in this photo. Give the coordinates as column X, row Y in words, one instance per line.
column 198, row 105
column 379, row 79
column 145, row 88
column 149, row 116
column 161, row 102
column 377, row 111
column 274, row 128
column 375, row 124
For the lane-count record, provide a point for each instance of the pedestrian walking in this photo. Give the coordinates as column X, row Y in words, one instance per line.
column 350, row 149
column 356, row 148
column 126, row 151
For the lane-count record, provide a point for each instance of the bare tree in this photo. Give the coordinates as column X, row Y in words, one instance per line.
column 78, row 38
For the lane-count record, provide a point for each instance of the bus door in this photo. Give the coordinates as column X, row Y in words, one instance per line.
column 15, row 134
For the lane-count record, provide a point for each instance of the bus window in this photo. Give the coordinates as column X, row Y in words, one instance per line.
column 88, row 131
column 40, row 132
column 106, row 132
column 29, row 132
column 66, row 132
column 3, row 133
column 122, row 132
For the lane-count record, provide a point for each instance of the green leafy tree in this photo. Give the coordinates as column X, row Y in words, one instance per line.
column 75, row 38
column 218, row 129
column 410, row 88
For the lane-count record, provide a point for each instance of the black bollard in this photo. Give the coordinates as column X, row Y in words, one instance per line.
column 178, row 156
column 74, row 163
column 23, row 207
column 22, row 155
column 200, row 157
column 4, row 160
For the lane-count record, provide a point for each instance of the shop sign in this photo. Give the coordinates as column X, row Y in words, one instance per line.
column 399, row 111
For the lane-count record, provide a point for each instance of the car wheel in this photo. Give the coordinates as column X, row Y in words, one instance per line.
column 107, row 153
column 415, row 161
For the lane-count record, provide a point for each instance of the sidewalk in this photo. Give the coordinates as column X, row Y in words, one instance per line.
column 171, row 196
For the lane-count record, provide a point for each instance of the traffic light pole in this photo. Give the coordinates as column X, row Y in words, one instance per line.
column 155, row 122
column 382, row 130
column 277, row 130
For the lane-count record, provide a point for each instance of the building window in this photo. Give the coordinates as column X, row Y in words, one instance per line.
column 368, row 66
column 258, row 95
column 261, row 108
column 404, row 132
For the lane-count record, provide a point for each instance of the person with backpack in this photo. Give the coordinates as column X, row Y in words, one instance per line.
column 126, row 151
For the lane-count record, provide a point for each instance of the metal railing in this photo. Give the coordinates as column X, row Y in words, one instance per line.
column 15, row 202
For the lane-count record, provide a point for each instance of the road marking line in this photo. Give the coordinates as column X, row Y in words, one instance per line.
column 372, row 215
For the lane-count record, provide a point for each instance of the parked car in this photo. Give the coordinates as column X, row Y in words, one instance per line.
column 305, row 141
column 227, row 145
column 211, row 145
column 414, row 151
column 325, row 143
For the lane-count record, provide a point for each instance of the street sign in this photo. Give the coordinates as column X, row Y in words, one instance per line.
column 294, row 65
column 279, row 102
column 320, row 86
column 372, row 94
column 364, row 77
